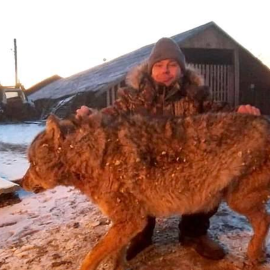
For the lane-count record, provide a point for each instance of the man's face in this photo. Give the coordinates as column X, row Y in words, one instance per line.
column 166, row 72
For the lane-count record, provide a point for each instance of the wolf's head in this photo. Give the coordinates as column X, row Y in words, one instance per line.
column 64, row 151
column 46, row 169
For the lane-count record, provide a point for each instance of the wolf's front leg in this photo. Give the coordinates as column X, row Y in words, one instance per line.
column 114, row 244
column 120, row 260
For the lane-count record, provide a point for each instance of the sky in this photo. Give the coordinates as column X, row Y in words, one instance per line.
column 65, row 37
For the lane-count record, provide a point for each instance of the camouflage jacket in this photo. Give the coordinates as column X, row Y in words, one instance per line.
column 142, row 95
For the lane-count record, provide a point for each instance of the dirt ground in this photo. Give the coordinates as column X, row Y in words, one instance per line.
column 57, row 228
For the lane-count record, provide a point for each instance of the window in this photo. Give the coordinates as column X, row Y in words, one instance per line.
column 12, row 95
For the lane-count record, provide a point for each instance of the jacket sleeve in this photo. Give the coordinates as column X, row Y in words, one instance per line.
column 215, row 106
column 121, row 106
column 202, row 95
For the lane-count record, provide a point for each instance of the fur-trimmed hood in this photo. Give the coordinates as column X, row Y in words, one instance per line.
column 192, row 84
column 188, row 96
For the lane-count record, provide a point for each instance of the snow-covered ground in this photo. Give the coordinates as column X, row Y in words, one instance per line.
column 22, row 133
column 14, row 139
column 55, row 229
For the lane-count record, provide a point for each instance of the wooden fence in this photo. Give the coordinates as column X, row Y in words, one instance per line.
column 220, row 80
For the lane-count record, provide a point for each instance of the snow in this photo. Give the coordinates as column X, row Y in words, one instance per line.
column 57, row 228
column 16, row 137
column 22, row 133
column 7, row 186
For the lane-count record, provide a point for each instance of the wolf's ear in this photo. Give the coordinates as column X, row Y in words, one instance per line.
column 53, row 129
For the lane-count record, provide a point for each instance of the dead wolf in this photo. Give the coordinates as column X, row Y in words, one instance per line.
column 139, row 166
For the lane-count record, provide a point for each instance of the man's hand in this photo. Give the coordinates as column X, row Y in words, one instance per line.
column 83, row 111
column 249, row 110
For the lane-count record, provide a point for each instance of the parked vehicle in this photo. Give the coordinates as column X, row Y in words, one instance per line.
column 14, row 105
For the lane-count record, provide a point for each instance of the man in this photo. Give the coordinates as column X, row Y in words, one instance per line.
column 165, row 86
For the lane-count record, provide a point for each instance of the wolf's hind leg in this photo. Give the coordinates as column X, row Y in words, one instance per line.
column 260, row 225
column 248, row 198
column 259, row 220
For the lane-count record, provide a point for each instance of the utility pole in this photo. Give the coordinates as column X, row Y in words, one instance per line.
column 16, row 67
